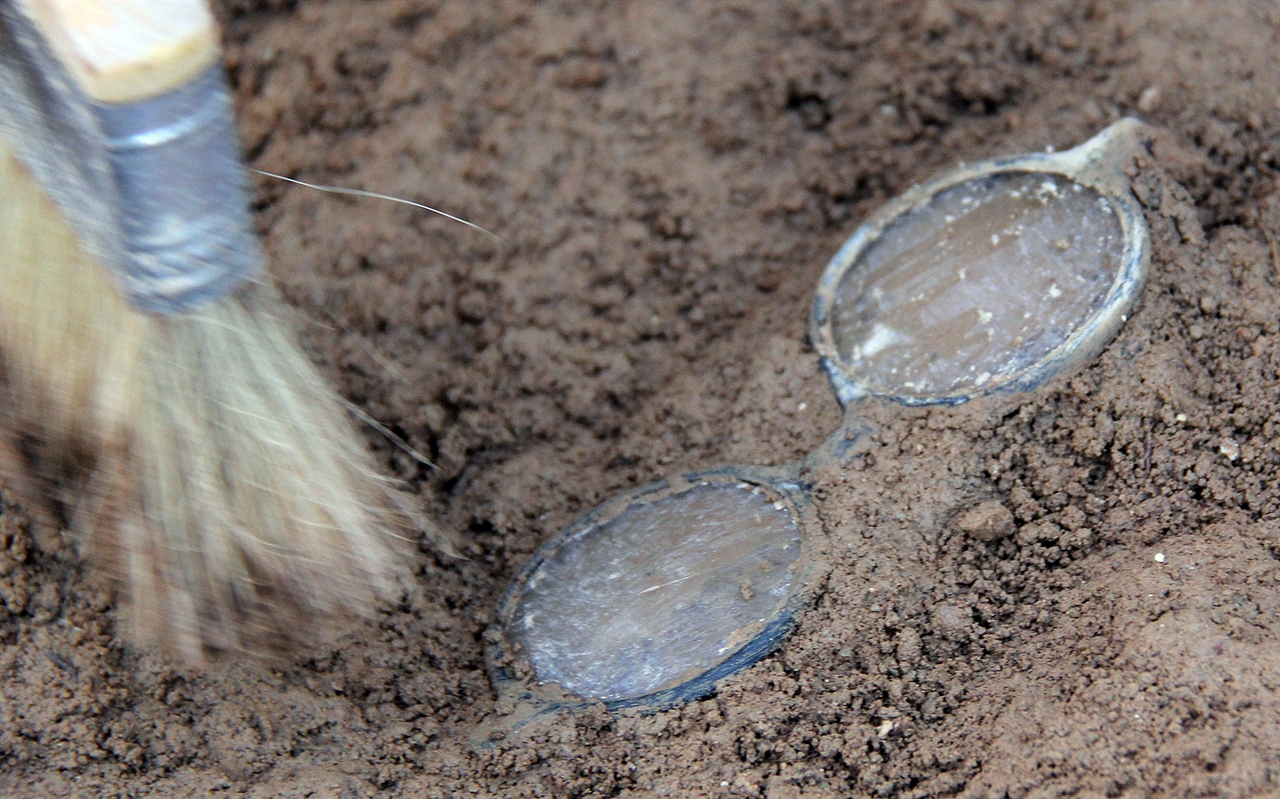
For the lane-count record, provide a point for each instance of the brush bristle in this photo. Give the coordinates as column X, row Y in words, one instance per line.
column 203, row 460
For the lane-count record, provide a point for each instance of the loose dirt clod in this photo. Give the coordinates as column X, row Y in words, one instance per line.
column 989, row 521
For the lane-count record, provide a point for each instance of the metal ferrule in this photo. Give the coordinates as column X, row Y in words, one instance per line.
column 183, row 200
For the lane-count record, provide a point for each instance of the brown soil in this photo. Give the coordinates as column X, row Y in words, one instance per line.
column 669, row 180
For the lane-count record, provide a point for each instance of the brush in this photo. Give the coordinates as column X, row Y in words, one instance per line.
column 151, row 387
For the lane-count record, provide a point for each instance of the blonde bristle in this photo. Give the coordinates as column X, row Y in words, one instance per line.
column 212, row 469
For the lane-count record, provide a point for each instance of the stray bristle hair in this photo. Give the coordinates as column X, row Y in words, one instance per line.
column 202, row 458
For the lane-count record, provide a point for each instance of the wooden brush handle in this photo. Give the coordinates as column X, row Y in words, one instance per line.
column 126, row 51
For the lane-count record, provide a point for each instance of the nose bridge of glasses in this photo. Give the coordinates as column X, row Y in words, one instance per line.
column 851, row 440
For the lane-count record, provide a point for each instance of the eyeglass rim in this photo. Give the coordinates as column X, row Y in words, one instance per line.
column 1096, row 164
column 810, row 569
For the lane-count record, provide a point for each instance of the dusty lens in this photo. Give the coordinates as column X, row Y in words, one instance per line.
column 659, row 594
column 985, row 280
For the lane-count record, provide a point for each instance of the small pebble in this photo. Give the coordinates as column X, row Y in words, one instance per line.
column 1149, row 100
column 1160, row 557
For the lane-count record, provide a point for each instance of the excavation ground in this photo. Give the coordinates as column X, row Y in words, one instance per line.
column 668, row 180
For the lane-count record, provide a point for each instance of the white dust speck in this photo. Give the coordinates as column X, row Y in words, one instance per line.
column 881, row 337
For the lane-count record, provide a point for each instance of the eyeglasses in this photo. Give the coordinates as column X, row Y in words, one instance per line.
column 989, row 280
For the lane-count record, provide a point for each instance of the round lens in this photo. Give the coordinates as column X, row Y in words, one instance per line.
column 977, row 285
column 658, row 595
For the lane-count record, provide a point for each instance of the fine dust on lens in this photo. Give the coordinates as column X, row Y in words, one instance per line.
column 658, row 594
column 982, row 282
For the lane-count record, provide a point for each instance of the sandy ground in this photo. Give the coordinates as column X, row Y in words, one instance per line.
column 669, row 179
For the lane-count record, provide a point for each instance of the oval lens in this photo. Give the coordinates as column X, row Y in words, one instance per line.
column 977, row 285
column 658, row 595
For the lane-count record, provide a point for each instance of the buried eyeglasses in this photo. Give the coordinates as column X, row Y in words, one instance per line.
column 990, row 279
